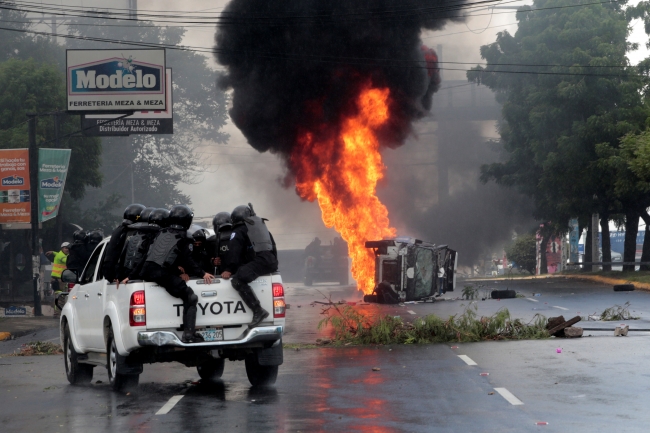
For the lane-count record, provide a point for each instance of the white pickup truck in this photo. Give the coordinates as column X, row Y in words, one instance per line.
column 140, row 323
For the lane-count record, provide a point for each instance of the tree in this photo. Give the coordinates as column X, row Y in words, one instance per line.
column 150, row 167
column 522, row 252
column 566, row 86
column 29, row 87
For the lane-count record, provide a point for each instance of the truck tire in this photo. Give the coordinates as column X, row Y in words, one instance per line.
column 623, row 287
column 76, row 372
column 260, row 375
column 211, row 370
column 118, row 381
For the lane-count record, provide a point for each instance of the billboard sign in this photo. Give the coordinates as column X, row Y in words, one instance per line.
column 52, row 172
column 141, row 122
column 14, row 186
column 115, row 80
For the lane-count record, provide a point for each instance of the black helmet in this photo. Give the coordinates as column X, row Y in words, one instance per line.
column 159, row 217
column 132, row 212
column 80, row 236
column 95, row 236
column 180, row 217
column 220, row 219
column 199, row 235
column 144, row 215
column 239, row 213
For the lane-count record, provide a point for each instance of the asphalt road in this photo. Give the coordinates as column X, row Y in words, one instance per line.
column 595, row 383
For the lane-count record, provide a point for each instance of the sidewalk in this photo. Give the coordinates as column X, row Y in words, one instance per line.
column 608, row 280
column 19, row 326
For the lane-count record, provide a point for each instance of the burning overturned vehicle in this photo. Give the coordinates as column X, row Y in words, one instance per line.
column 408, row 269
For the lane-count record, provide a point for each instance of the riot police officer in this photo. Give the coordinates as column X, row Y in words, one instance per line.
column 142, row 224
column 137, row 246
column 169, row 252
column 78, row 252
column 116, row 244
column 217, row 244
column 252, row 253
column 200, row 254
column 94, row 238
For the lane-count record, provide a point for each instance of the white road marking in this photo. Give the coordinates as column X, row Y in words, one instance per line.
column 510, row 398
column 532, row 300
column 169, row 405
column 561, row 308
column 411, row 311
column 467, row 359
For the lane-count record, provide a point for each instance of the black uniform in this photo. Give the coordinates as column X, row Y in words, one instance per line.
column 114, row 250
column 219, row 245
column 202, row 257
column 78, row 257
column 132, row 230
column 171, row 249
column 246, row 264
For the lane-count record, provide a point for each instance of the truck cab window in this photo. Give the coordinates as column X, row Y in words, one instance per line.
column 89, row 273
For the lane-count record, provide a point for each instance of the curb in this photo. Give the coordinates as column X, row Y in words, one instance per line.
column 608, row 280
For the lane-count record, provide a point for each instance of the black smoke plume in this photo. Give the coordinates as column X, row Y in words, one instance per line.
column 298, row 65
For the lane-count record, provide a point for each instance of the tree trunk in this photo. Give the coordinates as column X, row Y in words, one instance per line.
column 543, row 268
column 606, row 242
column 586, row 258
column 645, row 255
column 631, row 229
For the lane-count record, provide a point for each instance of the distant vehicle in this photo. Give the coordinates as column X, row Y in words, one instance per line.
column 141, row 323
column 326, row 263
column 410, row 266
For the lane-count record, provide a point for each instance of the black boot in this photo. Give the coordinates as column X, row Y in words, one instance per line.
column 250, row 299
column 189, row 336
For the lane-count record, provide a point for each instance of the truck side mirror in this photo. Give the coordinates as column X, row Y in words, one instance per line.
column 69, row 276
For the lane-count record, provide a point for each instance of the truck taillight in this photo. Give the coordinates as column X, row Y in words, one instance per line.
column 137, row 310
column 279, row 307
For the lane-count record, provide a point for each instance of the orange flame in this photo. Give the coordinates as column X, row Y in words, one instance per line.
column 345, row 189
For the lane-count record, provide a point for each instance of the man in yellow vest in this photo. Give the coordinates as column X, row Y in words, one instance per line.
column 58, row 264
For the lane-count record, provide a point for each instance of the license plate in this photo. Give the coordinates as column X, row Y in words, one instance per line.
column 215, row 334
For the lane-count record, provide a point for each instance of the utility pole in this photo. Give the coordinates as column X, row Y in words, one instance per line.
column 33, row 199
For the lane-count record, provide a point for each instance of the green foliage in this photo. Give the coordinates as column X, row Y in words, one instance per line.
column 30, row 87
column 352, row 326
column 552, row 124
column 522, row 252
column 470, row 292
column 34, row 348
column 617, row 313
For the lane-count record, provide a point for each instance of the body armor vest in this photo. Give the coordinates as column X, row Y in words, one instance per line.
column 137, row 245
column 258, row 234
column 164, row 250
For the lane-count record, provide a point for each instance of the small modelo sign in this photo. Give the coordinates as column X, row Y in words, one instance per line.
column 116, row 80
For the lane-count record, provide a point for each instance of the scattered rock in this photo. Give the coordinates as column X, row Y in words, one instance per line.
column 573, row 332
column 490, row 393
column 376, row 369
column 558, row 329
column 99, row 381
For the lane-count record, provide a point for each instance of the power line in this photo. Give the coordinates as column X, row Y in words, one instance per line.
column 238, row 19
column 344, row 61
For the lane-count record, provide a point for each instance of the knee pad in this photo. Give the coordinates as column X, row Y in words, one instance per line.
column 192, row 300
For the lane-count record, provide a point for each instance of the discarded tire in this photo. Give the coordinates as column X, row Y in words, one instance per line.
column 623, row 287
column 370, row 298
column 503, row 294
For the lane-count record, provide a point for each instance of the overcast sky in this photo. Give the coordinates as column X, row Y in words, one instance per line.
column 237, row 174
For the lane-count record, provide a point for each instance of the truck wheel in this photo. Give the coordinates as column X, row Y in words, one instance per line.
column 260, row 375
column 211, row 370
column 77, row 373
column 118, row 381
